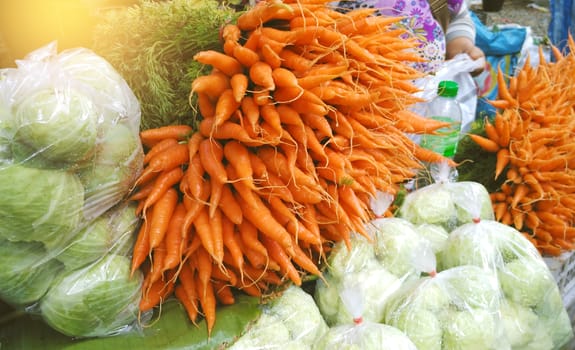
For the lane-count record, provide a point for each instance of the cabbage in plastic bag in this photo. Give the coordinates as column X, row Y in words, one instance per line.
column 456, row 309
column 290, row 321
column 26, row 272
column 100, row 299
column 447, row 203
column 43, row 205
column 525, row 280
column 111, row 232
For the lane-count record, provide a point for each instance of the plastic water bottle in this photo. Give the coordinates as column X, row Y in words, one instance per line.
column 444, row 107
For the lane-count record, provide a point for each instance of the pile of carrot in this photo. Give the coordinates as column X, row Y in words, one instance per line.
column 532, row 135
column 302, row 119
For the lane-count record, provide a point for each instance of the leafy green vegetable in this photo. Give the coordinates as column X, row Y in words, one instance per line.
column 291, row 321
column 365, row 336
column 117, row 163
column 526, row 282
column 100, row 299
column 152, row 44
column 111, row 232
column 26, row 271
column 519, row 323
column 57, row 125
column 43, row 205
column 471, row 330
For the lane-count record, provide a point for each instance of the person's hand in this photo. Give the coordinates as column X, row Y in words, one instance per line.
column 464, row 45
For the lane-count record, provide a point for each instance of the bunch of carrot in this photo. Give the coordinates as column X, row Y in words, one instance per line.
column 303, row 119
column 532, row 135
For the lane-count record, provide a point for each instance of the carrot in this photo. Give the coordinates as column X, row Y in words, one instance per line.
column 283, row 259
column 238, row 156
column 220, row 61
column 239, row 84
column 161, row 216
column 207, row 300
column 162, row 184
column 204, row 231
column 141, row 247
column 260, row 216
column 212, row 84
column 159, row 147
column 502, row 160
column 170, row 158
column 150, row 137
column 206, row 106
column 231, row 244
column 262, row 13
column 225, row 107
column 485, row 143
column 157, row 293
column 260, row 74
column 246, row 56
column 224, row 293
column 211, row 155
column 284, row 77
column 173, row 239
column 230, row 207
column 270, row 56
column 189, row 302
column 521, row 190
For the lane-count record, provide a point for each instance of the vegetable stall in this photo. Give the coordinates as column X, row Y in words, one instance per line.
column 217, row 175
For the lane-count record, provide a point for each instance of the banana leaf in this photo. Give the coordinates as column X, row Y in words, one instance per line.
column 169, row 329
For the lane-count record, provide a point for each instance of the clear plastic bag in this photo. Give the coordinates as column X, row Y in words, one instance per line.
column 532, row 309
column 69, row 154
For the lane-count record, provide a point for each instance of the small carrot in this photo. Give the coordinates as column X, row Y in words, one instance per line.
column 239, row 85
column 211, row 155
column 230, row 207
column 212, row 84
column 157, row 293
column 204, row 231
column 163, row 183
column 159, row 147
column 220, row 61
column 502, row 160
column 150, row 137
column 246, row 56
column 173, row 238
column 162, row 214
column 225, row 107
column 260, row 74
column 283, row 259
column 485, row 143
column 141, row 247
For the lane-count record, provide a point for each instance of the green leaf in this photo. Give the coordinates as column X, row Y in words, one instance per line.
column 170, row 330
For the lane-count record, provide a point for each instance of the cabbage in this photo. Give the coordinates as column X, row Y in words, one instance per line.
column 56, row 125
column 110, row 232
column 290, row 321
column 26, row 271
column 525, row 282
column 39, row 204
column 110, row 176
column 472, row 287
column 470, row 330
column 421, row 326
column 400, row 248
column 519, row 323
column 431, row 204
column 449, row 204
column 343, row 260
column 298, row 312
column 435, row 234
column 100, row 299
column 365, row 336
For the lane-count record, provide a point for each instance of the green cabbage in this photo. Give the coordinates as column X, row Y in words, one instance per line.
column 435, row 234
column 343, row 260
column 519, row 323
column 26, row 271
column 56, row 125
column 42, row 205
column 118, row 161
column 526, row 282
column 290, row 321
column 422, row 326
column 111, row 232
column 100, row 299
column 365, row 336
column 400, row 248
column 471, row 330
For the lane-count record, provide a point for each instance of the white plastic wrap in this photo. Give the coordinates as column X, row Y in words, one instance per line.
column 69, row 153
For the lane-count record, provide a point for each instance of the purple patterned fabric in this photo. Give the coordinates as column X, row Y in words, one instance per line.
column 419, row 22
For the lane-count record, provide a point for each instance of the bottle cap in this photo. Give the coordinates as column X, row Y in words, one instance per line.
column 447, row 88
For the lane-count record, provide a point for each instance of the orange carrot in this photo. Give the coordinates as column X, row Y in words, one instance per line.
column 283, row 259
column 150, row 137
column 261, row 74
column 173, row 238
column 162, row 214
column 211, row 155
column 485, row 143
column 220, row 61
column 163, row 183
column 239, row 84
